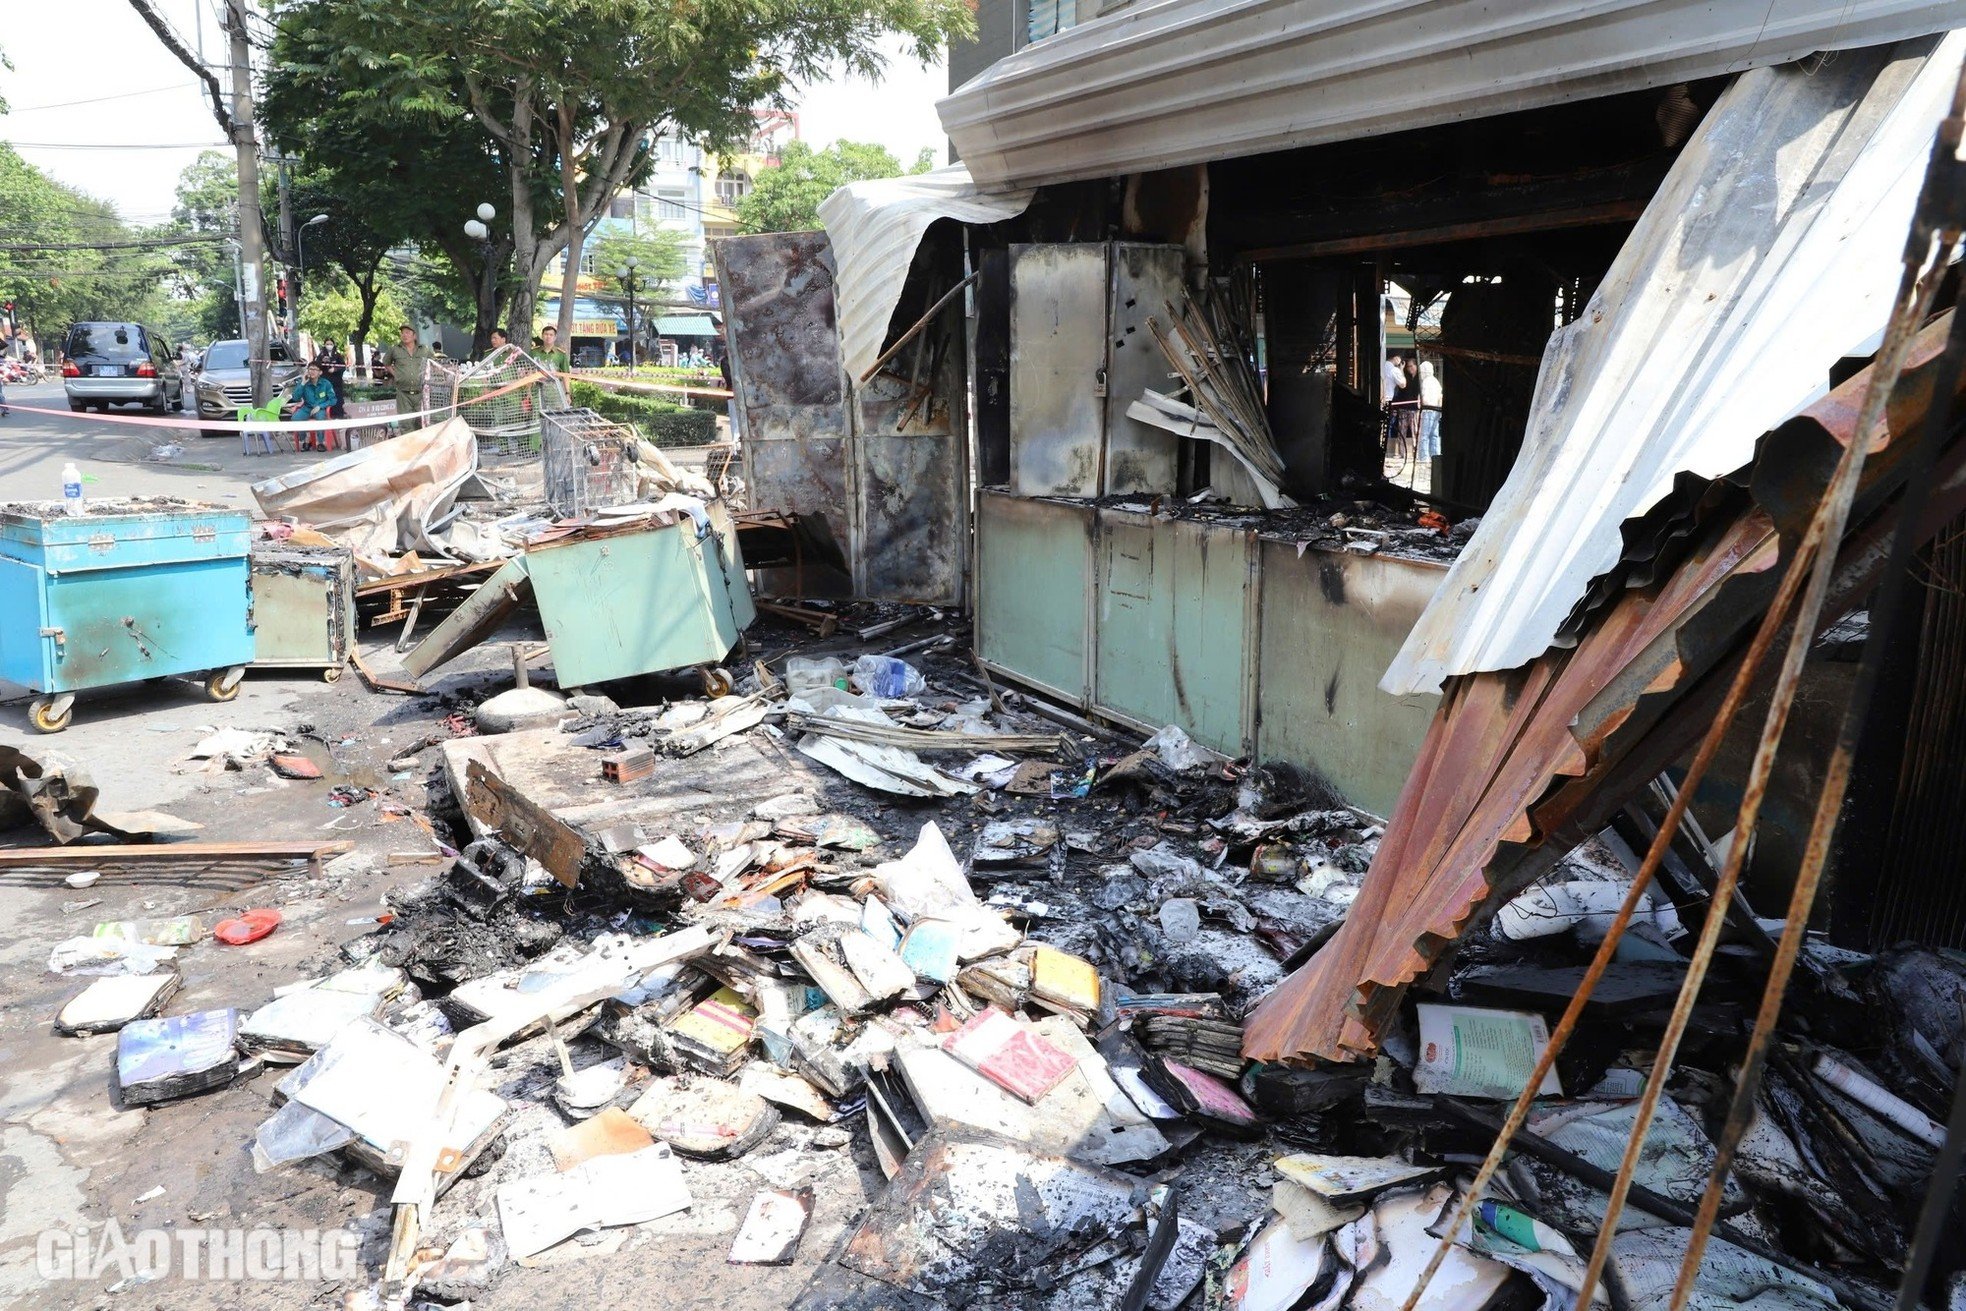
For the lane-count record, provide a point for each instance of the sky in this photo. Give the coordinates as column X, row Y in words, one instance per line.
column 99, row 103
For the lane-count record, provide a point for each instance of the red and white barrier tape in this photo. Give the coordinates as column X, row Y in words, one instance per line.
column 284, row 426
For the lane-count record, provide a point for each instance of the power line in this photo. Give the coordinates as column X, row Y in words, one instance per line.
column 97, row 100
column 105, row 145
column 143, row 243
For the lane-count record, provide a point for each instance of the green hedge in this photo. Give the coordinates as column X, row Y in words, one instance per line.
column 663, row 422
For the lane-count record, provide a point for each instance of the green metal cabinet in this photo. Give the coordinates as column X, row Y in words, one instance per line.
column 303, row 608
column 618, row 601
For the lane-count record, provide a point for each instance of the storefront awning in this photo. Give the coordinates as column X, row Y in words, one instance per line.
column 874, row 228
column 685, row 325
column 1186, row 81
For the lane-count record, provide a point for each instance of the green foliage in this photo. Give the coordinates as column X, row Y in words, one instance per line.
column 204, row 274
column 658, row 256
column 663, row 422
column 571, row 90
column 785, row 197
column 332, row 308
column 53, row 288
column 392, row 167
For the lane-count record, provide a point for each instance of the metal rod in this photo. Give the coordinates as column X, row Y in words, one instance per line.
column 1737, row 695
column 1889, row 615
column 919, row 324
column 1826, row 526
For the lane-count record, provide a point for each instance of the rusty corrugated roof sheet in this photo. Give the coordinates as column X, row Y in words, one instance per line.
column 1521, row 765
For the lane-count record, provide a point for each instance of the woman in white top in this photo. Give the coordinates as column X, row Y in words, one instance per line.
column 1430, row 397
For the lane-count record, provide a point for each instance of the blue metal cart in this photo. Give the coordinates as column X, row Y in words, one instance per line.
column 128, row 590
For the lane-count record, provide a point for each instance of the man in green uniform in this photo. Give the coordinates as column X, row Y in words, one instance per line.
column 550, row 353
column 406, row 361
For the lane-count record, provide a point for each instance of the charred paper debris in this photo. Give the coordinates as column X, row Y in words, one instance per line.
column 988, row 971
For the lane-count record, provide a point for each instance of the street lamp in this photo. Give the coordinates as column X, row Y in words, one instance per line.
column 300, row 262
column 627, row 273
column 479, row 230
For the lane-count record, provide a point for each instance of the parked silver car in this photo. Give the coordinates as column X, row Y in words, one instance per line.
column 223, row 384
column 105, row 364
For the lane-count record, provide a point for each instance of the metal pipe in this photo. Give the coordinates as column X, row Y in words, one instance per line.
column 1889, row 618
column 919, row 324
column 1827, row 524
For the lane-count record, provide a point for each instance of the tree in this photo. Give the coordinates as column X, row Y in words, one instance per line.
column 338, row 310
column 658, row 256
column 571, row 91
column 73, row 257
column 348, row 244
column 410, row 178
column 785, row 197
column 207, row 205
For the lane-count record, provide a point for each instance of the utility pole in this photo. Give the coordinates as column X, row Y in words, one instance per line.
column 252, row 253
column 291, row 324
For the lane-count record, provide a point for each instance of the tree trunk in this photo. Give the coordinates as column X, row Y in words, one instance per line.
column 368, row 290
column 576, row 230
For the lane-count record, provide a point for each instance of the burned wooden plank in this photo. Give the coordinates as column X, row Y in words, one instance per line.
column 525, row 825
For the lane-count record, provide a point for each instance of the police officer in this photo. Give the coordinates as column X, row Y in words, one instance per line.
column 406, row 362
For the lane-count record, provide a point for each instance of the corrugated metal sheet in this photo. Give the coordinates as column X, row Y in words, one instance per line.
column 1186, row 81
column 1770, row 252
column 1521, row 765
column 875, row 227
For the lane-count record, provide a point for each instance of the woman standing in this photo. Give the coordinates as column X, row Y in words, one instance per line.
column 1430, row 398
column 1404, row 434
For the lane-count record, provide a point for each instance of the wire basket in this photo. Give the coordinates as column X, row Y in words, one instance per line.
column 508, row 423
column 591, row 462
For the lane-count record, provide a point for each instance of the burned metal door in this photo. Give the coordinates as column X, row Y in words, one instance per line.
column 910, row 463
column 884, row 464
column 785, row 368
column 1058, row 306
column 1146, row 285
column 1082, row 351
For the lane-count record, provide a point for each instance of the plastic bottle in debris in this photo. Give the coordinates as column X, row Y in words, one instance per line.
column 71, row 488
column 885, row 676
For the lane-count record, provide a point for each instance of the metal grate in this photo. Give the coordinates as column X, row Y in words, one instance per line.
column 508, row 423
column 590, row 462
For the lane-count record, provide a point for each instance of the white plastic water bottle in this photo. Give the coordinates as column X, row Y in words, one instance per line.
column 71, row 487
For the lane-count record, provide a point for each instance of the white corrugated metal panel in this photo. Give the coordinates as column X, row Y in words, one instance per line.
column 1186, row 81
column 1771, row 250
column 875, row 227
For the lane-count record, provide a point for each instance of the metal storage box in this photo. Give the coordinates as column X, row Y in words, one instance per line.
column 128, row 590
column 634, row 597
column 303, row 608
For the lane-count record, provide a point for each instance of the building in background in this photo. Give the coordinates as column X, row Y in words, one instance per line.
column 690, row 192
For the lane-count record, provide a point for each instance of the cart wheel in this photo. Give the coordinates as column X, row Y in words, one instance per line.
column 716, row 681
column 331, row 674
column 223, row 685
column 50, row 714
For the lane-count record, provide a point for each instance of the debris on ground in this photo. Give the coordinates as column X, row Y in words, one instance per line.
column 901, row 932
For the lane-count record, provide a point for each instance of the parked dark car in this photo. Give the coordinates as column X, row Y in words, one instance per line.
column 107, row 364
